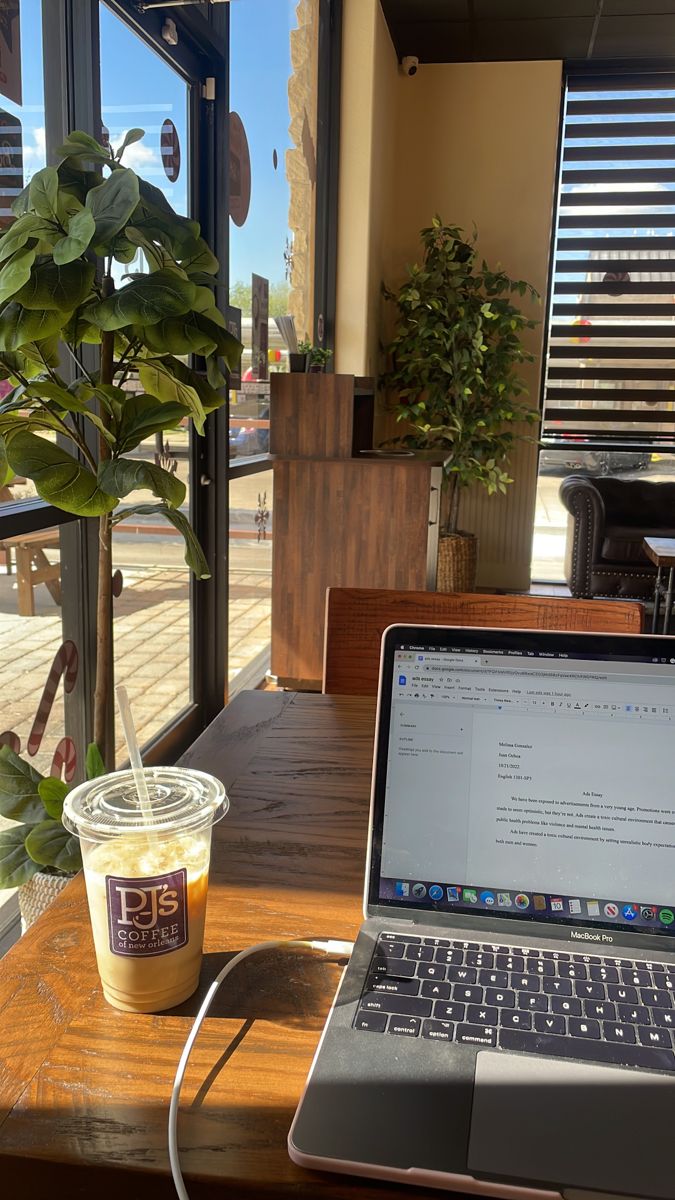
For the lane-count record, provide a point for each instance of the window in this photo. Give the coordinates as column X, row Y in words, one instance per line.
column 610, row 381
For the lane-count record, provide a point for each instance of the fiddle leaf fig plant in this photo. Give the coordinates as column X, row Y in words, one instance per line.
column 38, row 841
column 453, row 363
column 64, row 286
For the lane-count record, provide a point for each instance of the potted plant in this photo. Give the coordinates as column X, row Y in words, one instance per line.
column 453, row 373
column 297, row 361
column 318, row 358
column 37, row 854
column 62, row 285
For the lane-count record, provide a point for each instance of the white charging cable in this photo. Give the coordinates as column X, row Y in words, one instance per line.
column 326, row 945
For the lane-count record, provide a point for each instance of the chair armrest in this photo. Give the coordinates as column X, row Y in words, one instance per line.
column 586, row 507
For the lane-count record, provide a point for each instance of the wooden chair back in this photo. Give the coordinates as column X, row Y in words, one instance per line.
column 357, row 617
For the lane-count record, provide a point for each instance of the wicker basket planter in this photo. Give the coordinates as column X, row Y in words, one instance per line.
column 457, row 562
column 36, row 896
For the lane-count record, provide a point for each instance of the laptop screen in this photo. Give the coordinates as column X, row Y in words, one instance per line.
column 527, row 775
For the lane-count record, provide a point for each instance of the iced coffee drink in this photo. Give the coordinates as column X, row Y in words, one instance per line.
column 147, row 880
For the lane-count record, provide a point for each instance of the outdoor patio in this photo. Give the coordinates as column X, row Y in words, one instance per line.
column 151, row 638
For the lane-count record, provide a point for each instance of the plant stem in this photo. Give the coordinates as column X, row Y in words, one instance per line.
column 73, row 435
column 450, row 505
column 77, row 362
column 104, row 640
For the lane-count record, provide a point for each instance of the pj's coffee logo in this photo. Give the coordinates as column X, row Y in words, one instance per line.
column 147, row 917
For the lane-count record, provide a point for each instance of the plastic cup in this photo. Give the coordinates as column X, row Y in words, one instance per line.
column 147, row 880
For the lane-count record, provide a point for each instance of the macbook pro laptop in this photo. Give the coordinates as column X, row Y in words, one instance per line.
column 506, row 1024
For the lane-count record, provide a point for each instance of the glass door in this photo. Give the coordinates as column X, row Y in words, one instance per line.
column 154, row 85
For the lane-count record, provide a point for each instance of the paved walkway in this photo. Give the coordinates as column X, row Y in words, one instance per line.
column 151, row 633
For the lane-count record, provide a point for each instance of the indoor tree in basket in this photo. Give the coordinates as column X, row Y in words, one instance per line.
column 453, row 371
column 63, row 286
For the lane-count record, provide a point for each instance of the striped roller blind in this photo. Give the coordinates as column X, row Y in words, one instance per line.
column 610, row 373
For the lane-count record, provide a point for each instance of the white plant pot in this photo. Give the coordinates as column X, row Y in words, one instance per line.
column 36, row 896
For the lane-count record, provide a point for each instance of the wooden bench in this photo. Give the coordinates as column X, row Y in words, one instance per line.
column 33, row 566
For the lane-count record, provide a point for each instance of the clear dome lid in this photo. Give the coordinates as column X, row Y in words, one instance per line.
column 182, row 801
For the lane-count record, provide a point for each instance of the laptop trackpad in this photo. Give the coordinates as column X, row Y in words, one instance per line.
column 573, row 1125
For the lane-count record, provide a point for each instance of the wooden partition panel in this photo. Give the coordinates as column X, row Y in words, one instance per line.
column 320, row 416
column 340, row 523
column 357, row 617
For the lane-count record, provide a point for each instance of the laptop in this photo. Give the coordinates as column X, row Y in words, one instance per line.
column 506, row 1023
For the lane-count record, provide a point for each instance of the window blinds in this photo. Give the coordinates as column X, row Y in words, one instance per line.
column 610, row 373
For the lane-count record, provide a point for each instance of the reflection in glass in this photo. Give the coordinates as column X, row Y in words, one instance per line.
column 273, row 90
column 151, row 609
column 551, row 518
column 139, row 90
column 250, row 565
column 22, row 150
column 31, row 637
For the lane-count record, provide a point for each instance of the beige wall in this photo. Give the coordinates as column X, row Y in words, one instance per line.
column 476, row 143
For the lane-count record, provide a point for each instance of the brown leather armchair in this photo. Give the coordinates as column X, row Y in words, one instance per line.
column 608, row 520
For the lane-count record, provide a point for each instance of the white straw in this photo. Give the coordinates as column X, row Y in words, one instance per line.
column 134, row 752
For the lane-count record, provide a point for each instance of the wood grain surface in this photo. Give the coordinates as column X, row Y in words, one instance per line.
column 319, row 416
column 660, row 550
column 384, row 506
column 357, row 617
column 84, row 1089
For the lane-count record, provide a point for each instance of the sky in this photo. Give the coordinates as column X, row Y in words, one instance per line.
column 139, row 89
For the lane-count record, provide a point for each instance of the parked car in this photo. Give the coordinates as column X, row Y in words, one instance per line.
column 575, row 460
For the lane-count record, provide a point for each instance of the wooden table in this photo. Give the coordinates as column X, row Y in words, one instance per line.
column 662, row 553
column 84, row 1089
column 33, row 566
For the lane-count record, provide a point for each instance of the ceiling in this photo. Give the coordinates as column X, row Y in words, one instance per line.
column 502, row 30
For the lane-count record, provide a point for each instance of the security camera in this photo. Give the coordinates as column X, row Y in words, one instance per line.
column 409, row 64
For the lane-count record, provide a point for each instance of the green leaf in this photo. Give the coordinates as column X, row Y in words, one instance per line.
column 179, row 335
column 201, row 259
column 112, row 203
column 194, row 555
column 209, row 397
column 214, row 374
column 16, row 865
column 77, row 330
column 28, row 226
column 80, row 145
column 58, row 477
column 142, row 416
column 124, row 475
column 133, row 135
column 81, row 229
column 43, row 191
column 55, row 287
column 50, row 845
column 227, row 346
column 154, row 199
column 6, row 472
column 21, row 204
column 19, row 797
column 94, row 762
column 67, row 206
column 68, row 402
column 52, row 793
column 203, row 301
column 15, row 273
column 144, row 302
column 122, row 249
column 159, row 380
column 21, row 325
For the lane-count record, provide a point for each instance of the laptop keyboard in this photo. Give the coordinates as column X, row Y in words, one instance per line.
column 581, row 1006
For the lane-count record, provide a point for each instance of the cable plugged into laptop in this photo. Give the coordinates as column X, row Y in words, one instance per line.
column 328, row 946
